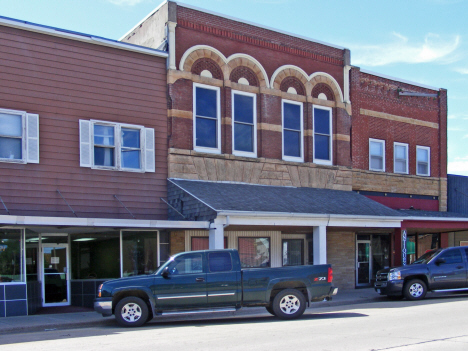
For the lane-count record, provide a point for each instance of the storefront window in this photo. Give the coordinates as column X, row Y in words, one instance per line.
column 139, row 253
column 293, row 252
column 95, row 255
column 254, row 252
column 32, row 252
column 11, row 256
column 380, row 253
column 164, row 247
column 410, row 249
column 427, row 242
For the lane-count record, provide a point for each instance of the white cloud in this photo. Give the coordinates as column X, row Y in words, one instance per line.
column 458, row 167
column 400, row 49
column 126, row 2
column 462, row 70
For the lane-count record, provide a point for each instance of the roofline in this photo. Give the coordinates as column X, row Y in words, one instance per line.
column 101, row 222
column 87, row 38
column 194, row 196
column 437, row 219
column 237, row 20
column 398, row 79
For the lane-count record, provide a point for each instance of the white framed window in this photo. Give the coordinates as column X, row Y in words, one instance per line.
column 19, row 136
column 244, row 124
column 423, row 160
column 400, row 158
column 323, row 146
column 377, row 155
column 206, row 118
column 116, row 146
column 293, row 130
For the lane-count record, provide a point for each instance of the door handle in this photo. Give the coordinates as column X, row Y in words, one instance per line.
column 201, row 280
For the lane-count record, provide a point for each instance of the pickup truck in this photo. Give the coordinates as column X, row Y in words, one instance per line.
column 213, row 281
column 436, row 270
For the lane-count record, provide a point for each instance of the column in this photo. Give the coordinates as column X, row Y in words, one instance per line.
column 216, row 238
column 320, row 245
column 171, row 36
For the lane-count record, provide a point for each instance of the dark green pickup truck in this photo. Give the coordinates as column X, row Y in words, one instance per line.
column 213, row 281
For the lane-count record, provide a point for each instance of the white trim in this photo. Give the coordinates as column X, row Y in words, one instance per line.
column 254, row 141
column 292, row 158
column 379, row 141
column 199, row 47
column 24, row 136
column 254, row 60
column 330, row 143
column 428, row 149
column 87, row 38
column 407, row 158
column 282, row 68
column 216, row 150
column 337, row 86
column 399, row 80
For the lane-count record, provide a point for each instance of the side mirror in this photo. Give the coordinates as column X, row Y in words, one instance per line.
column 440, row 260
column 165, row 272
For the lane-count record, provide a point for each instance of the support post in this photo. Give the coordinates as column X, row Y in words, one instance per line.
column 216, row 235
column 172, row 58
column 320, row 245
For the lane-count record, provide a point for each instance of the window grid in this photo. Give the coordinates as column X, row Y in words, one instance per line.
column 377, row 157
column 328, row 161
column 423, row 166
column 235, row 122
column 299, row 131
column 200, row 117
column 400, row 164
column 7, row 149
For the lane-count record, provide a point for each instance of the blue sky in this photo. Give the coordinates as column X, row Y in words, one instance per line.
column 424, row 41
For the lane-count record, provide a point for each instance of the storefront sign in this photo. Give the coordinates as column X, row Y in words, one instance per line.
column 404, row 238
column 55, row 260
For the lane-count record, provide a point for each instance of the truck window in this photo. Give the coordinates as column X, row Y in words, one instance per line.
column 220, row 261
column 452, row 256
column 187, row 264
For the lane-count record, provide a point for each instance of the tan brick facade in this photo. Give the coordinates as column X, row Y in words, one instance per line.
column 341, row 254
column 177, row 242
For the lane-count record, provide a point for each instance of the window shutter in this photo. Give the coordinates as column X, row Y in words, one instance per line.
column 32, row 137
column 85, row 143
column 149, row 150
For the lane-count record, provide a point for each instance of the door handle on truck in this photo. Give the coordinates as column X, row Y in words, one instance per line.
column 200, row 280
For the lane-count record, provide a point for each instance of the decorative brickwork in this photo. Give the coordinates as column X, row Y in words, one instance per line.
column 292, row 82
column 323, row 79
column 244, row 72
column 341, row 254
column 325, row 89
column 207, row 64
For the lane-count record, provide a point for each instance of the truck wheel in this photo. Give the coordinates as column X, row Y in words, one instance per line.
column 415, row 289
column 270, row 310
column 289, row 304
column 131, row 312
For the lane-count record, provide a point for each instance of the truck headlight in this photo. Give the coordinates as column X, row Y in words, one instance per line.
column 396, row 275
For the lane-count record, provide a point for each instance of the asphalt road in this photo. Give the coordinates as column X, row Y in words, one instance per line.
column 432, row 324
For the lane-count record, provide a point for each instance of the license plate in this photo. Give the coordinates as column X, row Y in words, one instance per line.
column 378, row 291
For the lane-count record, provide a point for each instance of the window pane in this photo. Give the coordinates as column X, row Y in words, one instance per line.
column 293, row 252
column 452, row 256
column 322, row 147
column 10, row 125
column 131, row 159
column 376, row 149
column 292, row 116
column 93, row 255
column 220, row 262
column 11, row 251
column 243, row 137
column 131, row 138
column 243, row 108
column 400, row 152
column 422, row 168
column 205, row 102
column 376, row 162
column 206, row 132
column 11, row 148
column 292, row 143
column 187, row 264
column 164, row 247
column 139, row 253
column 103, row 156
column 400, row 166
column 103, row 135
column 321, row 121
column 254, row 252
column 423, row 155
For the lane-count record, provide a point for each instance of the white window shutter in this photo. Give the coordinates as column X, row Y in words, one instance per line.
column 32, row 137
column 149, row 150
column 85, row 143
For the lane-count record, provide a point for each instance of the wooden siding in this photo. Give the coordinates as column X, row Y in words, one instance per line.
column 64, row 81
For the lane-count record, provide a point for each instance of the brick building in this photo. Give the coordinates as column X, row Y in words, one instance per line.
column 260, row 112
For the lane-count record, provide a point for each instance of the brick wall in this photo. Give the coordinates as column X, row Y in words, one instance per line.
column 177, row 242
column 341, row 254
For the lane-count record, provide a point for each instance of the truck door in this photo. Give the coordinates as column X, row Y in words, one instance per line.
column 185, row 285
column 451, row 274
column 222, row 281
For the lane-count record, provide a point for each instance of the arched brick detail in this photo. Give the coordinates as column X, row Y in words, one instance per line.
column 324, row 80
column 203, row 53
column 323, row 88
column 244, row 72
column 293, row 82
column 207, row 64
column 289, row 73
column 245, row 62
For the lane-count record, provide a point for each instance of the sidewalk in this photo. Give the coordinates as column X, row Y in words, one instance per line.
column 47, row 322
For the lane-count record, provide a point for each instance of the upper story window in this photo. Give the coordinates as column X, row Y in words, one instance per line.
column 207, row 118
column 116, row 146
column 323, row 135
column 377, row 155
column 423, row 163
column 19, row 137
column 244, row 124
column 293, row 141
column 400, row 158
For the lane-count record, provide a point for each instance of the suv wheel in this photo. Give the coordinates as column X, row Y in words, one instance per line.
column 289, row 304
column 415, row 289
column 131, row 312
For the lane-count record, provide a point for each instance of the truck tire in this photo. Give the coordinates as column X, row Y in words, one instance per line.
column 131, row 312
column 289, row 304
column 415, row 289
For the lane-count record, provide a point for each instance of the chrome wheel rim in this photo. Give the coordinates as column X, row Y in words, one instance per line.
column 131, row 312
column 290, row 304
column 416, row 290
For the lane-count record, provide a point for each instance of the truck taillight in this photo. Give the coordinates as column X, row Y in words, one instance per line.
column 330, row 275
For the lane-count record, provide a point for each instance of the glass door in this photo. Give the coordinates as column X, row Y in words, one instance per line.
column 55, row 277
column 363, row 263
